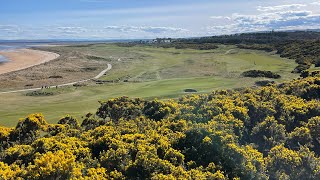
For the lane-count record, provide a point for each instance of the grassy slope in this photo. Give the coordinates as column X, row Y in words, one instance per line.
column 151, row 72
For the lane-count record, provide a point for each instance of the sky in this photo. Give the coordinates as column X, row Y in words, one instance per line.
column 137, row 19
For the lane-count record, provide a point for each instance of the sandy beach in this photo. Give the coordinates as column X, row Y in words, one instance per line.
column 24, row 58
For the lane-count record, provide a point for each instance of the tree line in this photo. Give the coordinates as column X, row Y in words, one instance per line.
column 302, row 46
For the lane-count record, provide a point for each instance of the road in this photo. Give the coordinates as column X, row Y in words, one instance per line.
column 61, row 85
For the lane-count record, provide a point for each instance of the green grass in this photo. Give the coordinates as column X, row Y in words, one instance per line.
column 313, row 68
column 152, row 73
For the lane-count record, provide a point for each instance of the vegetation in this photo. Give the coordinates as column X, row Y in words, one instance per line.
column 197, row 46
column 305, row 53
column 40, row 93
column 305, row 74
column 269, row 132
column 254, row 133
column 259, row 73
column 302, row 46
column 190, row 90
column 55, row 76
column 264, row 83
column 175, row 44
column 169, row 72
column 97, row 58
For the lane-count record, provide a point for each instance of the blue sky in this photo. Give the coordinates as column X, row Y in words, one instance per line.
column 125, row 19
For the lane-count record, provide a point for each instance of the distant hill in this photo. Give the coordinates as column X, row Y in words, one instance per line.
column 302, row 46
column 258, row 37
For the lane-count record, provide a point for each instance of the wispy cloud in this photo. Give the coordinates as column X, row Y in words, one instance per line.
column 8, row 27
column 316, row 3
column 149, row 29
column 72, row 30
column 280, row 7
column 220, row 17
column 102, row 32
column 194, row 7
column 110, row 19
column 280, row 17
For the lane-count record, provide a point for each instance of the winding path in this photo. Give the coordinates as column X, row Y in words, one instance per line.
column 103, row 72
column 61, row 85
column 229, row 51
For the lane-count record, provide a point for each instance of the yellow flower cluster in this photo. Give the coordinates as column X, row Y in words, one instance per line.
column 262, row 133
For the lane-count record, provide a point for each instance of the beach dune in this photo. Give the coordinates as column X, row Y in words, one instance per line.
column 24, row 58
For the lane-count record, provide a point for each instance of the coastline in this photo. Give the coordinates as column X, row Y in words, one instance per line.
column 24, row 58
column 3, row 59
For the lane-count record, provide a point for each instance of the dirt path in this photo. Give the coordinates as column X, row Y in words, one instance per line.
column 229, row 51
column 103, row 72
column 61, row 85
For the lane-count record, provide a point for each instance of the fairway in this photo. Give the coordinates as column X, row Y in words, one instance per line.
column 146, row 72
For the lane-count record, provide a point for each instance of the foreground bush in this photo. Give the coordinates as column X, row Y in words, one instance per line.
column 264, row 133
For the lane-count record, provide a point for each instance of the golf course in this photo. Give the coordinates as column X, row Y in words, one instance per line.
column 137, row 71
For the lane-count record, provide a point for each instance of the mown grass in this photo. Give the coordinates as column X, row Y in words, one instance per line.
column 151, row 73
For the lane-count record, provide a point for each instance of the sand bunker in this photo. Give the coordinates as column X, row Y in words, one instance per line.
column 24, row 58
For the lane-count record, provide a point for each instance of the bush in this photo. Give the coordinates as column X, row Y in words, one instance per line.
column 198, row 46
column 264, row 83
column 256, row 133
column 55, row 77
column 300, row 68
column 39, row 93
column 259, row 73
column 190, row 90
column 305, row 74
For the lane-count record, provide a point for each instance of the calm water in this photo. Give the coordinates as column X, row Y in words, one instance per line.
column 11, row 47
column 3, row 59
column 6, row 48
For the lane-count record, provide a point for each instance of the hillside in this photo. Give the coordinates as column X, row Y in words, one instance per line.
column 160, row 90
column 139, row 71
column 253, row 133
column 302, row 46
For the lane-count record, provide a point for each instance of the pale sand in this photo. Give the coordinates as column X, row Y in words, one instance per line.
column 25, row 58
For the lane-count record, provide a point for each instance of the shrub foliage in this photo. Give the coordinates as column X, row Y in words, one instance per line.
column 259, row 73
column 255, row 133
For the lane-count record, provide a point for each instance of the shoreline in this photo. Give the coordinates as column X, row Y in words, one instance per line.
column 3, row 59
column 20, row 59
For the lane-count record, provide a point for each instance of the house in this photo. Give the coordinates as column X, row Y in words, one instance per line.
column 162, row 40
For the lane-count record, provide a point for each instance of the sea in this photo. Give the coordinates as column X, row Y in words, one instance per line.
column 5, row 48
column 10, row 45
column 3, row 59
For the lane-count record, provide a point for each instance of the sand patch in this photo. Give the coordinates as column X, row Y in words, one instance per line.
column 25, row 58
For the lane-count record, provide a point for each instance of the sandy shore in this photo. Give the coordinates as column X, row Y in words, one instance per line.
column 25, row 58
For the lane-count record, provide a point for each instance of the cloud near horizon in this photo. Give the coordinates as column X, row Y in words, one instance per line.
column 281, row 7
column 149, row 29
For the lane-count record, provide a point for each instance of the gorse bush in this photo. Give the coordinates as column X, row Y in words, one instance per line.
column 259, row 73
column 255, row 133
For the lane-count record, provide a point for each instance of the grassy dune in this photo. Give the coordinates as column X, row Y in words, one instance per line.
column 146, row 72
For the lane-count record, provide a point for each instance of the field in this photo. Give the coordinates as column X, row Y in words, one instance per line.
column 146, row 72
